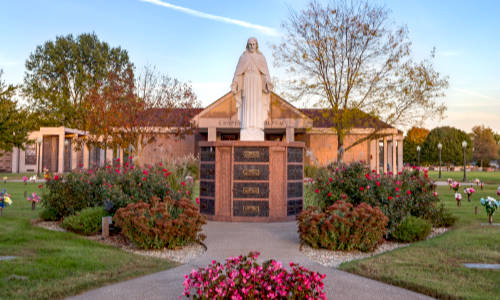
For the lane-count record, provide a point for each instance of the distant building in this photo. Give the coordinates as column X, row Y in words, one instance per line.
column 57, row 151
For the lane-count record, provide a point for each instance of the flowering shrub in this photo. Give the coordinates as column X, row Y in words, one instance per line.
column 343, row 227
column 114, row 187
column 410, row 192
column 243, row 278
column 161, row 223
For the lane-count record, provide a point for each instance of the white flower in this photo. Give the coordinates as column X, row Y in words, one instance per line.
column 458, row 196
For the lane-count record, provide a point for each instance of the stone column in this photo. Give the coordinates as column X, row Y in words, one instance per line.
column 290, row 134
column 212, row 134
column 400, row 155
column 60, row 153
column 384, row 166
column 377, row 155
column 394, row 166
column 85, row 156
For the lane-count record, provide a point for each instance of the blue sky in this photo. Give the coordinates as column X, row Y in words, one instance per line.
column 202, row 47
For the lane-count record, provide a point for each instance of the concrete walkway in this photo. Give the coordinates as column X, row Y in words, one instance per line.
column 274, row 240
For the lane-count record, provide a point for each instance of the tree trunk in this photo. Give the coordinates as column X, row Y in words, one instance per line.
column 340, row 149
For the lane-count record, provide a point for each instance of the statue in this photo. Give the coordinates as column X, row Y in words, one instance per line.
column 251, row 88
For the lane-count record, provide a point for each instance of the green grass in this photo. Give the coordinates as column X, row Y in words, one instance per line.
column 57, row 264
column 16, row 176
column 486, row 177
column 435, row 267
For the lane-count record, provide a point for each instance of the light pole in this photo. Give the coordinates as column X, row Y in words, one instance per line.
column 418, row 155
column 440, row 146
column 464, row 145
column 39, row 141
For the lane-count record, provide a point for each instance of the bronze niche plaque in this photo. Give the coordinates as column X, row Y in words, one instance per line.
column 251, row 209
column 294, row 172
column 294, row 207
column 251, row 172
column 251, row 190
column 251, row 154
column 295, row 154
column 207, row 154
column 207, row 171
column 207, row 206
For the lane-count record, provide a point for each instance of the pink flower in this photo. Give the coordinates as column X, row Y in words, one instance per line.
column 397, row 189
column 408, row 192
column 183, row 183
column 145, row 172
column 197, row 200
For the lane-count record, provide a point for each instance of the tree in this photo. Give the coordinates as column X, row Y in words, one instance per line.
column 14, row 121
column 126, row 112
column 451, row 138
column 414, row 137
column 348, row 57
column 61, row 73
column 485, row 147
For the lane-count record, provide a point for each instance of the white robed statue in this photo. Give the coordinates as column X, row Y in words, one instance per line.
column 252, row 90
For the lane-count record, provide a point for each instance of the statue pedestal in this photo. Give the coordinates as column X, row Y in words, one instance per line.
column 245, row 181
column 252, row 134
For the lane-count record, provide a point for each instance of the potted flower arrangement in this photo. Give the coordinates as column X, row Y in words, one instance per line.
column 449, row 182
column 4, row 200
column 482, row 185
column 477, row 181
column 490, row 204
column 455, row 186
column 458, row 197
column 469, row 191
column 34, row 199
column 25, row 180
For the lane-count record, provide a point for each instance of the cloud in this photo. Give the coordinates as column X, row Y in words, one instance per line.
column 263, row 29
column 474, row 94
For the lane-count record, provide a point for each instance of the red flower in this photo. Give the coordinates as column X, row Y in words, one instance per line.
column 367, row 176
column 330, row 179
column 361, row 188
column 143, row 178
column 373, row 171
column 40, row 186
column 397, row 189
column 197, row 200
column 316, row 191
column 187, row 193
column 183, row 183
column 378, row 183
column 167, row 174
column 160, row 164
column 389, row 198
column 164, row 170
column 56, row 177
column 117, row 171
column 145, row 172
column 329, row 194
column 397, row 196
column 408, row 192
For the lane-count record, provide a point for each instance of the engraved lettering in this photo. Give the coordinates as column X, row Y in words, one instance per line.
column 251, row 154
column 250, row 190
column 251, row 172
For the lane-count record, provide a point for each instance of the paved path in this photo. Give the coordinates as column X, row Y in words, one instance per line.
column 274, row 240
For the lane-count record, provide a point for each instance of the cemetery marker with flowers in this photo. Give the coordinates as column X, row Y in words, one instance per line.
column 469, row 191
column 458, row 197
column 4, row 200
column 490, row 205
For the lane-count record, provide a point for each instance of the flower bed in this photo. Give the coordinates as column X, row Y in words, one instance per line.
column 114, row 187
column 397, row 196
column 243, row 278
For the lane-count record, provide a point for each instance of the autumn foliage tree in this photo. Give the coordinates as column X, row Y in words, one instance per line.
column 485, row 147
column 124, row 111
column 348, row 57
column 414, row 137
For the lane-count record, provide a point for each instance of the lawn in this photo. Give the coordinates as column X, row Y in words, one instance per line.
column 53, row 265
column 435, row 267
column 486, row 177
column 16, row 176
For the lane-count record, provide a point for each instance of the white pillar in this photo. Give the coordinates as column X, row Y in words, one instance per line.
column 60, row 160
column 212, row 134
column 384, row 169
column 290, row 134
column 400, row 155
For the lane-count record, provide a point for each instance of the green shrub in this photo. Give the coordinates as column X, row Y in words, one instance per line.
column 88, row 221
column 412, row 229
column 49, row 214
column 442, row 217
column 409, row 192
column 161, row 223
column 115, row 187
column 342, row 227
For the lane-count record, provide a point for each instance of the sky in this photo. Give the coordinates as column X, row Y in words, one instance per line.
column 200, row 41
